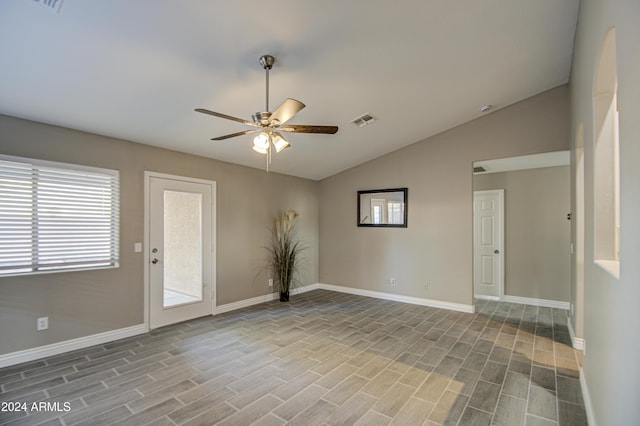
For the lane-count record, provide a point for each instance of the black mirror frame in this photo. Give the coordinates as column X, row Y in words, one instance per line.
column 405, row 192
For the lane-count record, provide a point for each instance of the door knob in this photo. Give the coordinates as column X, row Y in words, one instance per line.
column 154, row 261
column 496, row 251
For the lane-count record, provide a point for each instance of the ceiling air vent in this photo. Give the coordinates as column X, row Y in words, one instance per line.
column 363, row 120
column 52, row 5
column 479, row 169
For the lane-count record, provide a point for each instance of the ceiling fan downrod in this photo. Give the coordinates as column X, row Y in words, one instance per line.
column 267, row 62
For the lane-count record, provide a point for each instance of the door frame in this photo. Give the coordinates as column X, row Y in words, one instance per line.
column 501, row 239
column 147, row 236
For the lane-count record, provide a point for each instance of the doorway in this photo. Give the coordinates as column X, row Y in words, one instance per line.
column 179, row 256
column 537, row 234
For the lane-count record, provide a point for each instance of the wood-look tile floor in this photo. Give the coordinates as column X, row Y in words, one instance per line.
column 325, row 358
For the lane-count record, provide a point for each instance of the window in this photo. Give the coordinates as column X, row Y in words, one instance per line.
column 607, row 159
column 377, row 211
column 396, row 212
column 57, row 217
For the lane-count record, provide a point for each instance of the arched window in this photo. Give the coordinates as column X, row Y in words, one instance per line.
column 607, row 159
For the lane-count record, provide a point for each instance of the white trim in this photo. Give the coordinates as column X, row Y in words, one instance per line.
column 39, row 352
column 32, row 354
column 145, row 250
column 305, row 288
column 59, row 164
column 228, row 307
column 221, row 309
column 178, row 178
column 399, row 298
column 588, row 407
column 485, row 297
column 612, row 267
column 341, row 289
column 576, row 342
column 537, row 302
column 109, row 336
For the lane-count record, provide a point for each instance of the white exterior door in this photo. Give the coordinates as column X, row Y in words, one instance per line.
column 180, row 256
column 488, row 250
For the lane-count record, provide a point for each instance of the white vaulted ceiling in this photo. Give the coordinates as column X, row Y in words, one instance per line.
column 136, row 69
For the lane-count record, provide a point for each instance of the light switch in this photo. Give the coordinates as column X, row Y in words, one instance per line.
column 137, row 247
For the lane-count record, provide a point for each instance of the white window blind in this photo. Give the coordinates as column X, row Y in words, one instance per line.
column 57, row 217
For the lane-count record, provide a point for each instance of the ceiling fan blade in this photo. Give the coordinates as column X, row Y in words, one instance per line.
column 233, row 135
column 228, row 117
column 301, row 128
column 286, row 110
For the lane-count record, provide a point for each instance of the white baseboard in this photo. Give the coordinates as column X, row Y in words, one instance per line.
column 576, row 342
column 306, row 288
column 485, row 297
column 537, row 302
column 350, row 290
column 399, row 298
column 228, row 307
column 586, row 397
column 33, row 354
column 220, row 309
column 27, row 355
column 109, row 336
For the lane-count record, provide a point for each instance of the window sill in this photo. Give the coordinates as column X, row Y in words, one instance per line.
column 611, row 266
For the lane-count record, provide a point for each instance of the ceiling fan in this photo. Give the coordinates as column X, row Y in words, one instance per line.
column 269, row 125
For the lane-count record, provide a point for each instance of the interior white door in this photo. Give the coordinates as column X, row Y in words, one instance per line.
column 180, row 249
column 488, row 250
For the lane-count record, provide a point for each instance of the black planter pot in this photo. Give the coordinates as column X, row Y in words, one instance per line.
column 284, row 296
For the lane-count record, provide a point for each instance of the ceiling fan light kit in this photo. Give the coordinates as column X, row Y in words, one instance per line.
column 279, row 143
column 261, row 143
column 270, row 124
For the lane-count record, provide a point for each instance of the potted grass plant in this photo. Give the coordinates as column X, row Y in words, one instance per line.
column 284, row 253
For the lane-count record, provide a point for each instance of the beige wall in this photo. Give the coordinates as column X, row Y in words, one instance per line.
column 84, row 303
column 537, row 232
column 436, row 248
column 611, row 314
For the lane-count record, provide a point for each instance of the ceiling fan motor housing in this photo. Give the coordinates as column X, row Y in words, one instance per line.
column 262, row 118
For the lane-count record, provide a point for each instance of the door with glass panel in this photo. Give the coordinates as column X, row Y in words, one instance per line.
column 180, row 249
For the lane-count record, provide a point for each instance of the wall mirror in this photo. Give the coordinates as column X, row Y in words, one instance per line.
column 383, row 208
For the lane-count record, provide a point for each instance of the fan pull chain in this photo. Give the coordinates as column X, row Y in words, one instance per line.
column 269, row 155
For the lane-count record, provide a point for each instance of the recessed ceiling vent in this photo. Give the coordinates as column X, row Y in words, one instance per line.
column 363, row 120
column 52, row 5
column 479, row 169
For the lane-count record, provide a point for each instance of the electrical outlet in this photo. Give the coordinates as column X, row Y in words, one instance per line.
column 43, row 323
column 392, row 281
column 426, row 286
column 270, row 282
